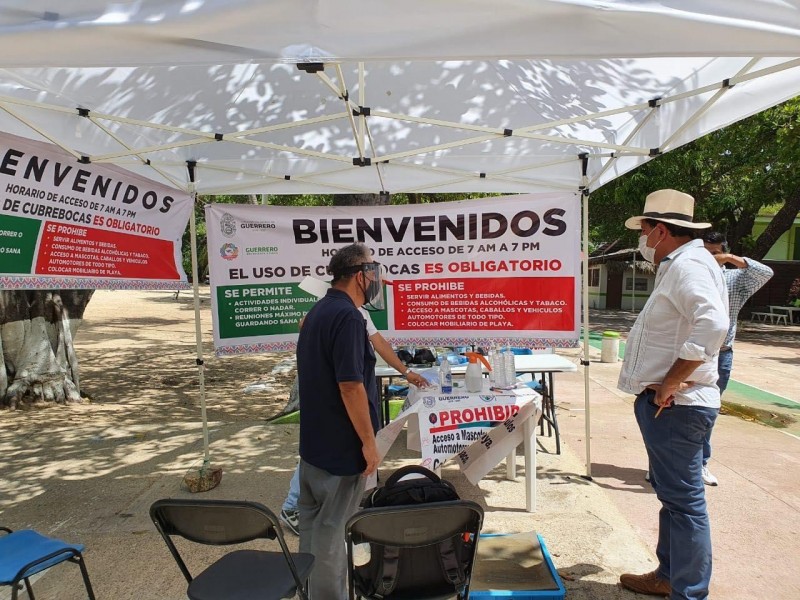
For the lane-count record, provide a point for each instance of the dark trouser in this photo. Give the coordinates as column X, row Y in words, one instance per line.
column 674, row 444
column 326, row 503
column 724, row 367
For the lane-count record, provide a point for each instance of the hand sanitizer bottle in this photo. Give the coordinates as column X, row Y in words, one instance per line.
column 445, row 377
column 474, row 374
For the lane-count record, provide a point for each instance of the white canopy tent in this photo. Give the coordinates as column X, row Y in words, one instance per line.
column 397, row 95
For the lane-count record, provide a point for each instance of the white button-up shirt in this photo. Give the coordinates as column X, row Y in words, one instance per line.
column 685, row 317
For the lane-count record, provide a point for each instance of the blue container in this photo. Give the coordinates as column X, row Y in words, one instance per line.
column 556, row 593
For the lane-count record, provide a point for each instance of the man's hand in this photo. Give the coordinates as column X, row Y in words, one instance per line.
column 370, row 452
column 722, row 258
column 417, row 379
column 665, row 394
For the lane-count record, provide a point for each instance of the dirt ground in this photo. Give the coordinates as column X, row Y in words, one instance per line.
column 143, row 358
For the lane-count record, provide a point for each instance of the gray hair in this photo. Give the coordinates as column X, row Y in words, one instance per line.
column 345, row 259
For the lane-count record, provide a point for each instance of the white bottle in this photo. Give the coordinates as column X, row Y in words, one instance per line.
column 474, row 374
column 445, row 377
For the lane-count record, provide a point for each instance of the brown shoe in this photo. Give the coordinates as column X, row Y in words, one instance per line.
column 649, row 583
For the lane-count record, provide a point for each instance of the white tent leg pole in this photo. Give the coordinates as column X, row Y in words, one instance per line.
column 197, row 329
column 585, row 281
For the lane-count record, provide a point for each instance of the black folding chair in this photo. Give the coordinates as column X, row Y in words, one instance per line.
column 25, row 553
column 241, row 574
column 416, row 552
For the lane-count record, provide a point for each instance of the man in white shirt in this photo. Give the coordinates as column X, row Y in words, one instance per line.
column 671, row 366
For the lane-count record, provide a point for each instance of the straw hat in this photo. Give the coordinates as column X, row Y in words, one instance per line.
column 670, row 206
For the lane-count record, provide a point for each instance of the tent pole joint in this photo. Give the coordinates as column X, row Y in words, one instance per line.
column 311, row 67
column 362, row 111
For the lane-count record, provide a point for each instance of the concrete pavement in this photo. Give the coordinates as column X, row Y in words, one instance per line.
column 755, row 511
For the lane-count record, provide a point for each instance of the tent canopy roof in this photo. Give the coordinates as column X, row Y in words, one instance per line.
column 82, row 33
column 451, row 96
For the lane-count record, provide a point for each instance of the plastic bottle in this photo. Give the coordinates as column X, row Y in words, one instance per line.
column 510, row 368
column 498, row 368
column 445, row 377
column 474, row 374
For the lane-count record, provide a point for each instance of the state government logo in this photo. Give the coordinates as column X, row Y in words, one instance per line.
column 227, row 225
column 229, row 251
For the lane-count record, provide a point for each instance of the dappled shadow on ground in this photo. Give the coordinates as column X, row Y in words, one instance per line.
column 614, row 477
column 157, row 364
column 764, row 334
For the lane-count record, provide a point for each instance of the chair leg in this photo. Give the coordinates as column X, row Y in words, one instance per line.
column 553, row 412
column 88, row 584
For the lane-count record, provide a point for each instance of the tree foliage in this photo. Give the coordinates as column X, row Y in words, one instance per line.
column 734, row 174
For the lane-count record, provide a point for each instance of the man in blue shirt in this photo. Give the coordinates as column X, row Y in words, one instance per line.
column 336, row 368
column 743, row 280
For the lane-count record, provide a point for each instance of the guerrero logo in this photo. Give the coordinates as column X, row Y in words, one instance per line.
column 229, row 251
column 487, row 398
column 428, row 401
column 227, row 225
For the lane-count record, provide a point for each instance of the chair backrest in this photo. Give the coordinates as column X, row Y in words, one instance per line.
column 416, row 539
column 216, row 523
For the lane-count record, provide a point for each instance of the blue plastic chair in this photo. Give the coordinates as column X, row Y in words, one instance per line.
column 25, row 553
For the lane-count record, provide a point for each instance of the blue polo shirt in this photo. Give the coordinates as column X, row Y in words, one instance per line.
column 333, row 347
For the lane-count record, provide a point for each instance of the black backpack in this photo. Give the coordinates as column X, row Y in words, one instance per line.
column 445, row 561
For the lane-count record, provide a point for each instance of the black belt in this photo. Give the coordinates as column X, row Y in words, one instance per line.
column 726, row 349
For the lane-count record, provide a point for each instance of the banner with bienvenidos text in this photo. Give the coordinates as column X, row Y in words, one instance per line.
column 66, row 224
column 501, row 269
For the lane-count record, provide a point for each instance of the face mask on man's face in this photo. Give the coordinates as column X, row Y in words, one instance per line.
column 373, row 290
column 648, row 253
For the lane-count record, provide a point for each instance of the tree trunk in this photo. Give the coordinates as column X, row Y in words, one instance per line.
column 780, row 224
column 36, row 332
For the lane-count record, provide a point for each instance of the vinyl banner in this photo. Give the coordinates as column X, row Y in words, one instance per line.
column 480, row 430
column 502, row 269
column 66, row 224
